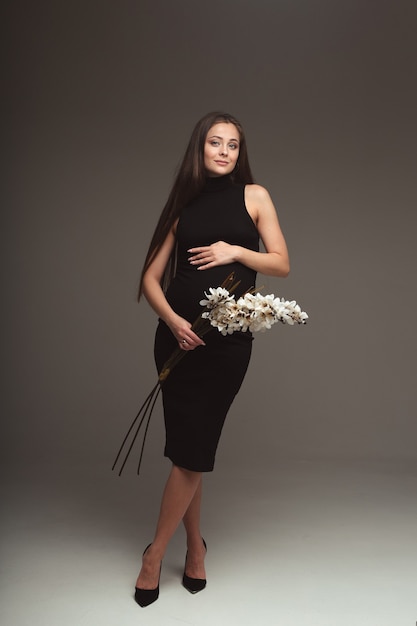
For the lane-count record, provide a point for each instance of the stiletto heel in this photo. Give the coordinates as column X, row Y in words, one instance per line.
column 193, row 585
column 144, row 597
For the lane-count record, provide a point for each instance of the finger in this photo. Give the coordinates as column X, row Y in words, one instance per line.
column 190, row 342
column 199, row 255
column 197, row 250
column 202, row 259
column 185, row 345
column 199, row 261
column 207, row 265
column 194, row 340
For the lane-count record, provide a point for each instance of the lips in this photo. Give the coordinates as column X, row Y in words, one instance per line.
column 221, row 162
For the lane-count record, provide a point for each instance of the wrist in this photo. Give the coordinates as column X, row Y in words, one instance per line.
column 238, row 254
column 170, row 319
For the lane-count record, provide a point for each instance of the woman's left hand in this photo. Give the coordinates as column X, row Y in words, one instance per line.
column 219, row 253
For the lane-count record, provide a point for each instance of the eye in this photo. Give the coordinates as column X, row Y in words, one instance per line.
column 233, row 146
column 214, row 143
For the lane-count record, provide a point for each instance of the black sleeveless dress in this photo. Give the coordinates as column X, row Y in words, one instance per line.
column 199, row 390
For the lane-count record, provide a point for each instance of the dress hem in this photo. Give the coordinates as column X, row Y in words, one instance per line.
column 186, row 466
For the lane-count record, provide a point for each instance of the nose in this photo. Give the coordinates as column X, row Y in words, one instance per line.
column 223, row 149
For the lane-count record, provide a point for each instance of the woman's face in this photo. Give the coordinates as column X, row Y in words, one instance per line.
column 221, row 149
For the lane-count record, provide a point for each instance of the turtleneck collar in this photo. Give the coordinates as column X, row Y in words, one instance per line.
column 216, row 183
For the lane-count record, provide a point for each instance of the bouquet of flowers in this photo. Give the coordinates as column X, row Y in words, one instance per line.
column 251, row 312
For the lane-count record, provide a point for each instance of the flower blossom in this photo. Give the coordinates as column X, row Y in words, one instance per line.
column 217, row 296
column 251, row 312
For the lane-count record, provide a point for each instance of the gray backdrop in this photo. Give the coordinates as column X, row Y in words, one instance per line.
column 101, row 99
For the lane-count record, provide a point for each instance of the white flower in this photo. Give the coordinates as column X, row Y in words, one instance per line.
column 222, row 317
column 216, row 297
column 255, row 313
column 289, row 312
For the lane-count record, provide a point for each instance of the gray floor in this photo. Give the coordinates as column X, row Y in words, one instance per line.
column 313, row 544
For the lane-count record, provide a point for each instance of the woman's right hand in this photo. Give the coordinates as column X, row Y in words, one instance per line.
column 152, row 290
column 183, row 333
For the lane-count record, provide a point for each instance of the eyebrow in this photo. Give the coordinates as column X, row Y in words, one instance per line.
column 218, row 137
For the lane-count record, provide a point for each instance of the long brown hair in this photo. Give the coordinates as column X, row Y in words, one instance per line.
column 189, row 182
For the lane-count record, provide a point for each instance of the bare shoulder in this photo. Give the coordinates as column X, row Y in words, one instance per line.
column 258, row 202
column 257, row 193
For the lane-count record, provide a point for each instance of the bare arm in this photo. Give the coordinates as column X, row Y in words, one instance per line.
column 273, row 262
column 154, row 294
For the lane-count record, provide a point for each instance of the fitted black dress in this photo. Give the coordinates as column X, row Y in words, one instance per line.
column 199, row 390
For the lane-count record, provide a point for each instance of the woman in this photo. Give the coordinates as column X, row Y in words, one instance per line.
column 210, row 226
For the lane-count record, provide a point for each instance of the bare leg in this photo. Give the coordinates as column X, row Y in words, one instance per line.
column 195, row 547
column 179, row 491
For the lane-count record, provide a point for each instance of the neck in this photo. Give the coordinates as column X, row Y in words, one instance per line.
column 215, row 183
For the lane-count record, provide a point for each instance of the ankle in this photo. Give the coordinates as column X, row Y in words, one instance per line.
column 154, row 553
column 195, row 542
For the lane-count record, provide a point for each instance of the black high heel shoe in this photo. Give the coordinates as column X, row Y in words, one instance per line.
column 193, row 585
column 144, row 597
